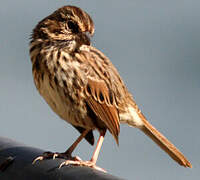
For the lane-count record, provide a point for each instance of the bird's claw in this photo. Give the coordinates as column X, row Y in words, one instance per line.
column 50, row 155
column 79, row 162
column 74, row 161
column 40, row 158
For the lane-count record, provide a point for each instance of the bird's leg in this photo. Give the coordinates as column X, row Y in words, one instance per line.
column 66, row 154
column 92, row 163
column 98, row 147
column 78, row 140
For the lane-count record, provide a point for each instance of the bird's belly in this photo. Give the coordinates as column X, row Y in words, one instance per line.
column 63, row 106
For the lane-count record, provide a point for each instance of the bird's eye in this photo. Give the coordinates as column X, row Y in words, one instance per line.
column 73, row 26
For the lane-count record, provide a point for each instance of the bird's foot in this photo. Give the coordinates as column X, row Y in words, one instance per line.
column 76, row 161
column 51, row 155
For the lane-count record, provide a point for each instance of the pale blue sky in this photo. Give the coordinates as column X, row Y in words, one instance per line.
column 156, row 47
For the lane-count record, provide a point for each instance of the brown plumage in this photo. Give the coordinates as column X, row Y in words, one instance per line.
column 80, row 83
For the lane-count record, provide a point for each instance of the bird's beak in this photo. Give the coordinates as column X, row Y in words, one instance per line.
column 83, row 38
column 86, row 37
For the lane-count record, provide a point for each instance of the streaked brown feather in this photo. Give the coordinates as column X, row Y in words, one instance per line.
column 102, row 107
column 97, row 66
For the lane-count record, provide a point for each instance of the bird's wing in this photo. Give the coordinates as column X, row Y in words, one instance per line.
column 102, row 88
column 99, row 100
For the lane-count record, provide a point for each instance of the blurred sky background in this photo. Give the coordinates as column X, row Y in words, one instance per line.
column 156, row 47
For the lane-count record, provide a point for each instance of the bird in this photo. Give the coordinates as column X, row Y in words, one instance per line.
column 82, row 86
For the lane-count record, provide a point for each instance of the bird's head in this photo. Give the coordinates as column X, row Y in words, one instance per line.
column 66, row 23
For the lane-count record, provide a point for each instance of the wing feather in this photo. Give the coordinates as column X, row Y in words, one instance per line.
column 99, row 101
column 102, row 90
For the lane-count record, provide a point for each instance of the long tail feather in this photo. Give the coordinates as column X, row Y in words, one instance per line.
column 159, row 139
column 164, row 143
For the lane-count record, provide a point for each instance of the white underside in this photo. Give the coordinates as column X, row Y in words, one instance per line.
column 131, row 117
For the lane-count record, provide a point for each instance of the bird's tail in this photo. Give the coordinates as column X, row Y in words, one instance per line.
column 163, row 142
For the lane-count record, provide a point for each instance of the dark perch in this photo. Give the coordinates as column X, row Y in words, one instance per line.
column 16, row 164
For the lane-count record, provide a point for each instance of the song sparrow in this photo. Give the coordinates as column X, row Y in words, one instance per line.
column 82, row 86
